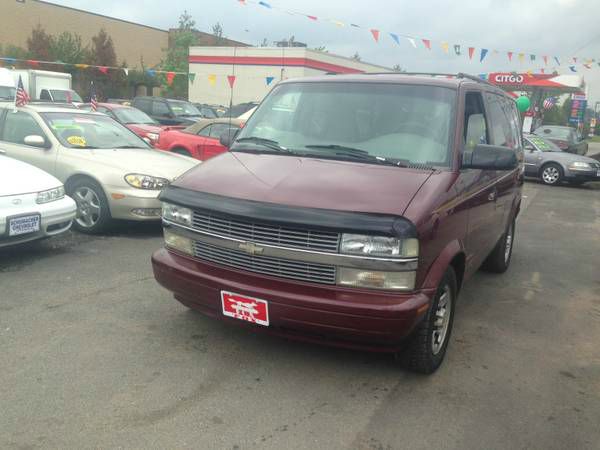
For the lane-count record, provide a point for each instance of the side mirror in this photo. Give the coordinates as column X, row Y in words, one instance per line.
column 227, row 138
column 35, row 141
column 490, row 157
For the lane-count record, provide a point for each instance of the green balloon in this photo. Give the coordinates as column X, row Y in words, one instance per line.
column 523, row 103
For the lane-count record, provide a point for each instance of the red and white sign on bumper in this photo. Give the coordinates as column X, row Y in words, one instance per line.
column 241, row 307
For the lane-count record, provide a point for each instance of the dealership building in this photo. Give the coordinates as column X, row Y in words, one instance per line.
column 258, row 69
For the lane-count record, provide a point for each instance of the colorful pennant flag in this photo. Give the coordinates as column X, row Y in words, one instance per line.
column 445, row 46
column 191, row 77
column 312, row 17
column 484, row 52
column 265, row 4
column 572, row 68
column 82, row 66
column 395, row 37
column 557, row 61
column 412, row 42
column 151, row 72
column 457, row 49
column 427, row 43
column 521, row 57
column 471, row 51
column 545, row 59
column 269, row 80
column 170, row 78
column 375, row 34
column 103, row 69
column 212, row 79
column 532, row 57
column 337, row 23
column 126, row 71
column 231, row 79
column 575, row 59
column 510, row 56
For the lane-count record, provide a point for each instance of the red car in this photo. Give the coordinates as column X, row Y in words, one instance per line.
column 200, row 141
column 350, row 210
column 137, row 121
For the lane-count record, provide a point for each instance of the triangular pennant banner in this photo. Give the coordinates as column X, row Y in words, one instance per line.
column 445, row 46
column 575, row 59
column 572, row 68
column 395, row 37
column 33, row 63
column 81, row 66
column 212, row 79
column 126, row 71
column 191, row 77
column 427, row 43
column 521, row 57
column 312, row 17
column 269, row 80
column 557, row 61
column 231, row 79
column 532, row 57
column 103, row 69
column 542, row 70
column 151, row 72
column 510, row 56
column 337, row 23
column 471, row 51
column 412, row 42
column 484, row 52
column 457, row 49
column 546, row 60
column 170, row 78
column 375, row 34
column 265, row 4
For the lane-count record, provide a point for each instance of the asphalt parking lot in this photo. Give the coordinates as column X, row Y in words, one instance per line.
column 94, row 354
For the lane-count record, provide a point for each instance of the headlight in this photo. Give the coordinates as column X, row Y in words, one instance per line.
column 579, row 165
column 50, row 195
column 149, row 182
column 358, row 244
column 152, row 136
column 370, row 279
column 177, row 214
column 177, row 242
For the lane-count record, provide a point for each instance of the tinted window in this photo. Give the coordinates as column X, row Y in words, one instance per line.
column 555, row 132
column 183, row 108
column 219, row 128
column 143, row 104
column 160, row 109
column 475, row 128
column 500, row 119
column 65, row 96
column 7, row 93
column 205, row 131
column 19, row 125
column 398, row 122
column 45, row 95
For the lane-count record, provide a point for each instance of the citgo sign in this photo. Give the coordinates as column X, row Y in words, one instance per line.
column 506, row 78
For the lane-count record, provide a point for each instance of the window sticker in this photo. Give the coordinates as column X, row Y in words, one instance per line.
column 77, row 140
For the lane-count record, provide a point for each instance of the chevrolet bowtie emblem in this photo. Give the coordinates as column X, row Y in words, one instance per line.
column 251, row 248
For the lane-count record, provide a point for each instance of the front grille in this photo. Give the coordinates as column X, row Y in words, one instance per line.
column 595, row 165
column 269, row 234
column 295, row 270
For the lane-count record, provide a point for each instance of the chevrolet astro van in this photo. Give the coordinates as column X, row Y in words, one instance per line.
column 350, row 210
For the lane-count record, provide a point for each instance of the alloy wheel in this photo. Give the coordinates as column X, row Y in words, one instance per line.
column 550, row 175
column 442, row 320
column 88, row 207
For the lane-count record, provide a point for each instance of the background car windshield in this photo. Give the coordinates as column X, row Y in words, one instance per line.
column 7, row 93
column 558, row 132
column 184, row 109
column 404, row 122
column 132, row 115
column 543, row 145
column 86, row 130
column 65, row 96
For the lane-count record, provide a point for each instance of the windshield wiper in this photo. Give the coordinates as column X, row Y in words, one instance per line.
column 268, row 143
column 357, row 153
column 128, row 146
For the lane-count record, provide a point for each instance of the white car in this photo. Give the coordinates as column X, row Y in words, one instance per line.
column 33, row 204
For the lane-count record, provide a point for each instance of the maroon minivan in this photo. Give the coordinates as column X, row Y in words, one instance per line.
column 349, row 211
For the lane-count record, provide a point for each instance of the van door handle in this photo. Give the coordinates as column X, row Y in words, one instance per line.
column 492, row 196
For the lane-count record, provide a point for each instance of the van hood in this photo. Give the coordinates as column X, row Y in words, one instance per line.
column 143, row 161
column 307, row 182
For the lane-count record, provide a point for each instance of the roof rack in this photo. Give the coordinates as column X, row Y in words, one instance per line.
column 437, row 74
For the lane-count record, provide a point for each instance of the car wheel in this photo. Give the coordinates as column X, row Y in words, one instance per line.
column 93, row 213
column 551, row 174
column 181, row 151
column 499, row 260
column 427, row 345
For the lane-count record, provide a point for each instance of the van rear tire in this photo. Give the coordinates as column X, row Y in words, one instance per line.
column 499, row 260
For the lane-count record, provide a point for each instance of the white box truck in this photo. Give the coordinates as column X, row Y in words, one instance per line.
column 48, row 86
column 7, row 86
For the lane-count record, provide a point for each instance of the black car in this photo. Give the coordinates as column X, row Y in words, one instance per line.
column 238, row 110
column 167, row 111
column 566, row 138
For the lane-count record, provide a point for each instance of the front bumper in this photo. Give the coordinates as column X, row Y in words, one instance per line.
column 353, row 318
column 583, row 175
column 133, row 204
column 55, row 218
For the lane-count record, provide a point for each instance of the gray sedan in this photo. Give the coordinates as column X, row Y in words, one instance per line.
column 546, row 161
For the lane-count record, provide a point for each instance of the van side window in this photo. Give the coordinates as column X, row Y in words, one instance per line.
column 475, row 129
column 502, row 132
column 515, row 122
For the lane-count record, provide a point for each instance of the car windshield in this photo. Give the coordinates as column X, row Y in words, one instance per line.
column 183, row 109
column 65, row 96
column 542, row 144
column 132, row 115
column 7, row 93
column 408, row 123
column 551, row 132
column 79, row 130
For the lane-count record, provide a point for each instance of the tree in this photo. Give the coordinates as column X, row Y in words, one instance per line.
column 217, row 30
column 264, row 43
column 12, row 51
column 39, row 44
column 356, row 57
column 398, row 68
column 68, row 48
column 186, row 23
column 103, row 50
column 321, row 48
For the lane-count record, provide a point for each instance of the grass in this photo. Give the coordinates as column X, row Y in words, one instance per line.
column 594, row 139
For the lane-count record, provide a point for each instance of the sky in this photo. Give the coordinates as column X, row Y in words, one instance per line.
column 564, row 28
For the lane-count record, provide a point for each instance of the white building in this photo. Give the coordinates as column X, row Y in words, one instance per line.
column 257, row 70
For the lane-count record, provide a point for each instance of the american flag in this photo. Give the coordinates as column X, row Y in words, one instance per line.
column 550, row 102
column 93, row 98
column 21, row 98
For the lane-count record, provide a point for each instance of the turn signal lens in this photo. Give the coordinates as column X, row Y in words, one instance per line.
column 370, row 279
column 177, row 242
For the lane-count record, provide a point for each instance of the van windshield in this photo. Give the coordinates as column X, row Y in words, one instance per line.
column 406, row 123
column 7, row 93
